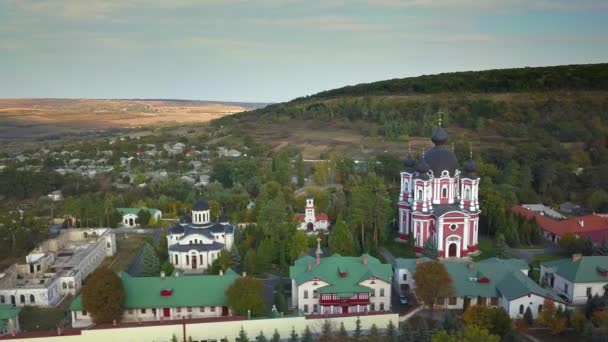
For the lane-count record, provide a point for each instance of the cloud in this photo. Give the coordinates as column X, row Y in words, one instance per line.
column 330, row 23
column 498, row 5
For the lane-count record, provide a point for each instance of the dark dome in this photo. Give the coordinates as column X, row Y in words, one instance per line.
column 223, row 218
column 423, row 166
column 469, row 166
column 200, row 205
column 440, row 159
column 409, row 161
column 440, row 137
column 185, row 219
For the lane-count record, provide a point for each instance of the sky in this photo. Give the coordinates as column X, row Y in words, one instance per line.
column 277, row 50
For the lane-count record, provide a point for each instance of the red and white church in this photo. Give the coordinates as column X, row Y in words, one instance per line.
column 439, row 201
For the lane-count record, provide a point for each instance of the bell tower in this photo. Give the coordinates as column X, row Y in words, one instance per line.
column 309, row 215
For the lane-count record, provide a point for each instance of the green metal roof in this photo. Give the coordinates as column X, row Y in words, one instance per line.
column 585, row 270
column 7, row 311
column 409, row 264
column 125, row 211
column 186, row 291
column 505, row 278
column 330, row 268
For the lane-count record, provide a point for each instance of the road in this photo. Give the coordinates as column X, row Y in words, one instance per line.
column 528, row 254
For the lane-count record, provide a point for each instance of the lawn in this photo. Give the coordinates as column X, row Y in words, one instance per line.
column 127, row 246
column 487, row 249
column 397, row 249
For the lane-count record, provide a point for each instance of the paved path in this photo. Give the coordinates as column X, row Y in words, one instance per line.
column 528, row 254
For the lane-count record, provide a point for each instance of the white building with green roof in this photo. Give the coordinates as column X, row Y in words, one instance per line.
column 340, row 284
column 168, row 298
column 577, row 277
column 494, row 281
column 129, row 215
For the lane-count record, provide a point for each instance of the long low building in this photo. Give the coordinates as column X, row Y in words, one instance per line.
column 494, row 282
column 577, row 278
column 340, row 284
column 56, row 267
column 168, row 298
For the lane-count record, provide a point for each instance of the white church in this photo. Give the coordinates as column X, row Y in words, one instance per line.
column 196, row 241
column 310, row 222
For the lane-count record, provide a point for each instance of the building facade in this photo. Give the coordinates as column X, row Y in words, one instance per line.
column 493, row 282
column 338, row 284
column 577, row 278
column 310, row 221
column 439, row 202
column 56, row 268
column 196, row 241
column 168, row 298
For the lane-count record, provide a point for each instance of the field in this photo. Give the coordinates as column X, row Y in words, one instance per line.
column 39, row 118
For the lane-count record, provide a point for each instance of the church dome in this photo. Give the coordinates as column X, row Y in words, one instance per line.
column 200, row 205
column 423, row 166
column 440, row 158
column 409, row 161
column 470, row 166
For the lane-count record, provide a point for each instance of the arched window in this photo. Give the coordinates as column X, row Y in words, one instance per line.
column 108, row 244
column 419, row 194
column 444, row 192
column 176, row 259
column 521, row 309
column 467, row 194
column 64, row 285
column 32, row 299
column 22, row 299
column 71, row 285
column 540, row 308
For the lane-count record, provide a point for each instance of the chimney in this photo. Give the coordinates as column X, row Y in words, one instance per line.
column 162, row 274
column 221, row 272
column 471, row 266
column 581, row 223
column 419, row 261
column 576, row 257
column 309, row 266
column 364, row 259
column 318, row 260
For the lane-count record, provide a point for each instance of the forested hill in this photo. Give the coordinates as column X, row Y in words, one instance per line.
column 566, row 77
column 533, row 126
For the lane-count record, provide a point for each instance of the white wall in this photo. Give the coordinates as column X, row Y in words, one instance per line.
column 580, row 291
column 532, row 301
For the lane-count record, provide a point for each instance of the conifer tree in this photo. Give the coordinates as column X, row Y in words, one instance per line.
column 390, row 335
column 449, row 323
column 261, row 337
column 341, row 239
column 406, row 333
column 430, row 249
column 502, row 249
column 373, row 334
column 327, row 333
column 276, row 337
column 151, row 264
column 342, row 333
column 410, row 247
column 306, row 335
column 357, row 334
column 423, row 334
column 293, row 337
column 528, row 317
column 242, row 336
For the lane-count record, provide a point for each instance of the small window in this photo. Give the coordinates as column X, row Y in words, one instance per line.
column 178, row 310
column 373, row 293
column 589, row 291
column 405, row 276
column 32, row 299
column 381, row 306
column 84, row 312
column 305, row 294
column 64, row 285
column 494, row 301
column 419, row 194
column 444, row 192
column 201, row 309
column 38, row 267
column 315, row 308
column 2, row 299
column 143, row 311
column 566, row 288
column 213, row 309
column 22, row 299
column 372, row 307
column 108, row 244
column 521, row 309
column 188, row 309
column 71, row 285
column 176, row 259
column 452, row 301
column 305, row 308
column 381, row 292
column 130, row 311
column 187, row 260
column 315, row 294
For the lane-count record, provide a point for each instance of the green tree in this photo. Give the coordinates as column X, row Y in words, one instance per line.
column 468, row 334
column 163, row 248
column 341, row 240
column 222, row 263
column 450, row 323
column 276, row 337
column 358, row 333
column 502, row 249
column 373, row 334
column 297, row 245
column 432, row 282
column 143, row 217
column 293, row 337
column 495, row 319
column 150, row 262
column 602, row 247
column 429, row 249
column 300, row 170
column 327, row 332
column 104, row 296
column 406, row 333
column 306, row 335
column 261, row 337
column 342, row 333
column 528, row 317
column 242, row 336
column 244, row 294
column 390, row 335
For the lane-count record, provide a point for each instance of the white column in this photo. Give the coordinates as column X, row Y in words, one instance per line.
column 401, row 230
column 466, row 233
column 439, row 229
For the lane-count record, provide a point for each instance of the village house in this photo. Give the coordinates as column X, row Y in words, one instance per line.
column 168, row 298
column 56, row 267
column 576, row 278
column 493, row 282
column 340, row 284
column 594, row 226
column 129, row 216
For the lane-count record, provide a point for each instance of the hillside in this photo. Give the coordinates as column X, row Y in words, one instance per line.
column 531, row 126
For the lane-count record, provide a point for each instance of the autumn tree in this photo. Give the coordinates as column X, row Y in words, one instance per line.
column 549, row 318
column 432, row 282
column 222, row 263
column 244, row 294
column 104, row 296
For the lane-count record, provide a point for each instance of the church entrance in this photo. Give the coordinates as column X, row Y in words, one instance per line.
column 310, row 226
column 194, row 262
column 166, row 312
column 453, row 250
column 224, row 311
column 131, row 223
